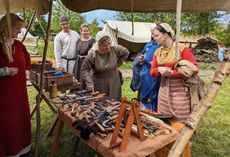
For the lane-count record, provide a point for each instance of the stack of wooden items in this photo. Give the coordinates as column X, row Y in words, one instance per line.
column 206, row 50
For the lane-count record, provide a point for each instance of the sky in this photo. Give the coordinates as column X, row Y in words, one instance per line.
column 100, row 15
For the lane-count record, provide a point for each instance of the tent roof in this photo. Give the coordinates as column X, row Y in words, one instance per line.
column 147, row 5
column 41, row 6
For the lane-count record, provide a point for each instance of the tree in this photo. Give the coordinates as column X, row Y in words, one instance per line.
column 38, row 26
column 200, row 23
column 223, row 35
column 75, row 18
column 94, row 27
column 148, row 17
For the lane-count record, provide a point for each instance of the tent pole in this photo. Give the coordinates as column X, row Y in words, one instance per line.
column 7, row 6
column 132, row 17
column 41, row 86
column 29, row 26
column 178, row 22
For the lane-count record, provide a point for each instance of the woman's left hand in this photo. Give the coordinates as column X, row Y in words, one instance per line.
column 165, row 71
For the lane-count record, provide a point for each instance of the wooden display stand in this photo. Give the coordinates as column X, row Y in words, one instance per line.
column 133, row 115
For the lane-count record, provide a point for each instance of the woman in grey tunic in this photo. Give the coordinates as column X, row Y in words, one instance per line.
column 84, row 44
column 100, row 68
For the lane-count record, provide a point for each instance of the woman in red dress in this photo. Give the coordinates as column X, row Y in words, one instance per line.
column 15, row 126
column 173, row 96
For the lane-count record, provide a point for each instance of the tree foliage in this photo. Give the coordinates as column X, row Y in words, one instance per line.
column 199, row 23
column 38, row 26
column 94, row 28
column 148, row 17
column 76, row 19
column 223, row 35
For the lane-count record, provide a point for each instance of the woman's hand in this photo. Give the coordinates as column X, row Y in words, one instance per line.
column 90, row 88
column 142, row 59
column 13, row 71
column 165, row 71
column 60, row 69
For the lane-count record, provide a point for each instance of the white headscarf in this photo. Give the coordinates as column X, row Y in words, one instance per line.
column 99, row 36
column 168, row 29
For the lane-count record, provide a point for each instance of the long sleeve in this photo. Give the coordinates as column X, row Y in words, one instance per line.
column 186, row 55
column 58, row 51
column 122, row 54
column 87, row 67
column 154, row 67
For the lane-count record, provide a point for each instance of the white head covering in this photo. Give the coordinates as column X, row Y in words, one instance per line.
column 99, row 36
column 168, row 29
column 153, row 26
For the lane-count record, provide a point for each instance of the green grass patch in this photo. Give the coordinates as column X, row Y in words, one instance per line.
column 208, row 66
column 212, row 138
column 127, row 65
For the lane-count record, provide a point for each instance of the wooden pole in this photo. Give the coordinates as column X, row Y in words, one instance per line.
column 202, row 107
column 39, row 96
column 132, row 17
column 178, row 22
column 29, row 26
column 7, row 6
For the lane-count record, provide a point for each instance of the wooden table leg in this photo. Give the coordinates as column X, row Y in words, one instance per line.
column 75, row 151
column 52, row 127
column 57, row 136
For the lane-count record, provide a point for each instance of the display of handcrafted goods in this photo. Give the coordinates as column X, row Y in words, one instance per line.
column 96, row 114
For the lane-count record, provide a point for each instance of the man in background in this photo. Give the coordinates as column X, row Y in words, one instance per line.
column 65, row 46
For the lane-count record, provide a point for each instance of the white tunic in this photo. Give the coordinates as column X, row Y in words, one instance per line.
column 65, row 46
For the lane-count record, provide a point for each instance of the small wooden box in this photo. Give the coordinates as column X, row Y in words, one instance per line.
column 61, row 81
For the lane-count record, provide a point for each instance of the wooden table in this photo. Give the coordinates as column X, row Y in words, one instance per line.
column 53, row 106
column 159, row 145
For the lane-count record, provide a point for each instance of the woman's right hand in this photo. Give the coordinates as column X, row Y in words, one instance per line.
column 165, row 71
column 13, row 71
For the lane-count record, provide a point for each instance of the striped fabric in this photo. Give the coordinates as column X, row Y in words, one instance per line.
column 174, row 98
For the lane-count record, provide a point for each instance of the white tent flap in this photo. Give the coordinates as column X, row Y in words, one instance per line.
column 123, row 30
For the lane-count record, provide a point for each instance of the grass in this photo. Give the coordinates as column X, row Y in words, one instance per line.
column 213, row 138
column 127, row 65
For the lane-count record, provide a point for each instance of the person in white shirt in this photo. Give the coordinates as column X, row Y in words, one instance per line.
column 65, row 46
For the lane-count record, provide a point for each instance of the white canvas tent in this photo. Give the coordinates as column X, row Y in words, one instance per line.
column 121, row 33
column 31, row 42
